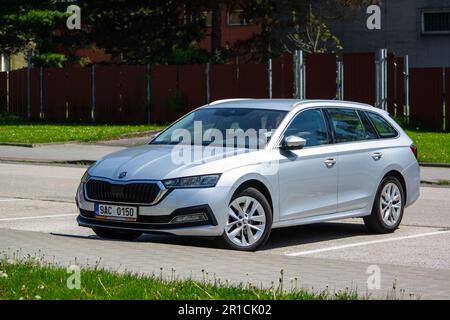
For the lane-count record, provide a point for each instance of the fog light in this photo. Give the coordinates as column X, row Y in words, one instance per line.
column 187, row 218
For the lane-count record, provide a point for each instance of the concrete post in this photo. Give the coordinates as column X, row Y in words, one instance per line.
column 148, row 78
column 406, row 110
column 93, row 92
column 270, row 83
column 41, row 93
column 296, row 75
column 208, row 83
column 383, row 78
column 340, row 80
column 299, row 75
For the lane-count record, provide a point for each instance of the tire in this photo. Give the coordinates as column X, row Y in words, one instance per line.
column 254, row 216
column 116, row 234
column 388, row 204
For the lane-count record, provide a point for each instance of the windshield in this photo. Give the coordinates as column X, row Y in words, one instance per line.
column 228, row 127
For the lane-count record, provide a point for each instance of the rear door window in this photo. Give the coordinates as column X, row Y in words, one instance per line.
column 348, row 126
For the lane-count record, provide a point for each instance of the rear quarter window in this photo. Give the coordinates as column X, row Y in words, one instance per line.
column 384, row 128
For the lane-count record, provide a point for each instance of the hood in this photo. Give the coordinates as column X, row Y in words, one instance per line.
column 158, row 162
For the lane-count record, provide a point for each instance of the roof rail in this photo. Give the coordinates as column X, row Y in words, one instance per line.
column 226, row 100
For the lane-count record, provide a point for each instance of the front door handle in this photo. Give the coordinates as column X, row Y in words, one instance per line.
column 377, row 156
column 330, row 162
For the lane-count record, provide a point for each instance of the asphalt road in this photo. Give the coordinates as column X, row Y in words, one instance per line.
column 37, row 202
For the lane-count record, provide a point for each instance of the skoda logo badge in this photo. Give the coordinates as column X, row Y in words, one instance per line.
column 122, row 175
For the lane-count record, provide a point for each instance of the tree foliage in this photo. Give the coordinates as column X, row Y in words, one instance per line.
column 142, row 31
column 164, row 31
column 29, row 24
column 294, row 24
column 313, row 36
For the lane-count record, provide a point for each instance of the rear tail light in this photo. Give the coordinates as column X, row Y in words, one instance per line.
column 414, row 150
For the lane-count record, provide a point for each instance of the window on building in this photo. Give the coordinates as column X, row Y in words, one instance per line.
column 436, row 22
column 236, row 18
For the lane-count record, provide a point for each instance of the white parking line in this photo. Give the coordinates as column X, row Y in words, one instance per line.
column 6, row 200
column 365, row 243
column 39, row 217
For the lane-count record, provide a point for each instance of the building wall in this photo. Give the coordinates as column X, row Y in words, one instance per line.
column 17, row 61
column 400, row 33
column 230, row 33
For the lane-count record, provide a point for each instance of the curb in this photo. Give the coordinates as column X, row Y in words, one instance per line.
column 37, row 145
column 435, row 165
column 46, row 161
column 24, row 145
column 434, row 184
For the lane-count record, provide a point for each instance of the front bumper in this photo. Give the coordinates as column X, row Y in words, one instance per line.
column 205, row 231
column 157, row 218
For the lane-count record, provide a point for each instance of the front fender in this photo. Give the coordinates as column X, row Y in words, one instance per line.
column 236, row 177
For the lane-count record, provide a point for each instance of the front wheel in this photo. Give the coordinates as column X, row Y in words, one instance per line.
column 249, row 220
column 116, row 234
column 387, row 211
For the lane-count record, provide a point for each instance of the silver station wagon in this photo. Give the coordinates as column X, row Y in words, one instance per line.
column 237, row 169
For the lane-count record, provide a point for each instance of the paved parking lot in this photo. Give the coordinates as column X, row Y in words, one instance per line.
column 37, row 216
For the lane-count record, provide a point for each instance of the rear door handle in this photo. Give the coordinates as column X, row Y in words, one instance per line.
column 377, row 155
column 330, row 162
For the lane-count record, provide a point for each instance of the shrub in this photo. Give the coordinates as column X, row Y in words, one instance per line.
column 190, row 56
column 50, row 60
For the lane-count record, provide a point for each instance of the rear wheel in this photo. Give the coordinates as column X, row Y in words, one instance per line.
column 249, row 221
column 116, row 234
column 387, row 211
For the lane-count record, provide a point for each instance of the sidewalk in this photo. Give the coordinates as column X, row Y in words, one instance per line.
column 198, row 263
column 89, row 152
column 434, row 174
column 70, row 153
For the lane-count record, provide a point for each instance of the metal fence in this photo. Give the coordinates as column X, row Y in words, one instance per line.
column 160, row 94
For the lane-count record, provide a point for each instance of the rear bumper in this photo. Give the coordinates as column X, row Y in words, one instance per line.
column 412, row 181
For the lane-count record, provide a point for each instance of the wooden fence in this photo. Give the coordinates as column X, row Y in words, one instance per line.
column 143, row 94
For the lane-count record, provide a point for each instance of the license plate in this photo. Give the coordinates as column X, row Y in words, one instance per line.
column 112, row 212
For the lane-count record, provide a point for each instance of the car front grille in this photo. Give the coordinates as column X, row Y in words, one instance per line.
column 139, row 193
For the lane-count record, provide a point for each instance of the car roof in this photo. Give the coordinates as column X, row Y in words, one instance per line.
column 282, row 104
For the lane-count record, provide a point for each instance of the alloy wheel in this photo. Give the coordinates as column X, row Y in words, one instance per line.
column 390, row 204
column 246, row 221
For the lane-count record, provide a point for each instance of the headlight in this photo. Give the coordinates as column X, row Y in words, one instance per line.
column 205, row 181
column 85, row 177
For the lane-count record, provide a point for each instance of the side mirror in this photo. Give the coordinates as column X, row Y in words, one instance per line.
column 293, row 143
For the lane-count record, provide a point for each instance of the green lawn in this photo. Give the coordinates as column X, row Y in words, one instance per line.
column 30, row 280
column 433, row 147
column 13, row 130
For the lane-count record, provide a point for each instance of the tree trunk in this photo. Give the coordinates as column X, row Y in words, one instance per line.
column 216, row 30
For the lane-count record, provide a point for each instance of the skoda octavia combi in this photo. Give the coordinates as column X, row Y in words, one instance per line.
column 237, row 169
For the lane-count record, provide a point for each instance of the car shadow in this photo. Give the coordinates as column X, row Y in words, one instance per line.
column 313, row 233
column 155, row 238
column 279, row 238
